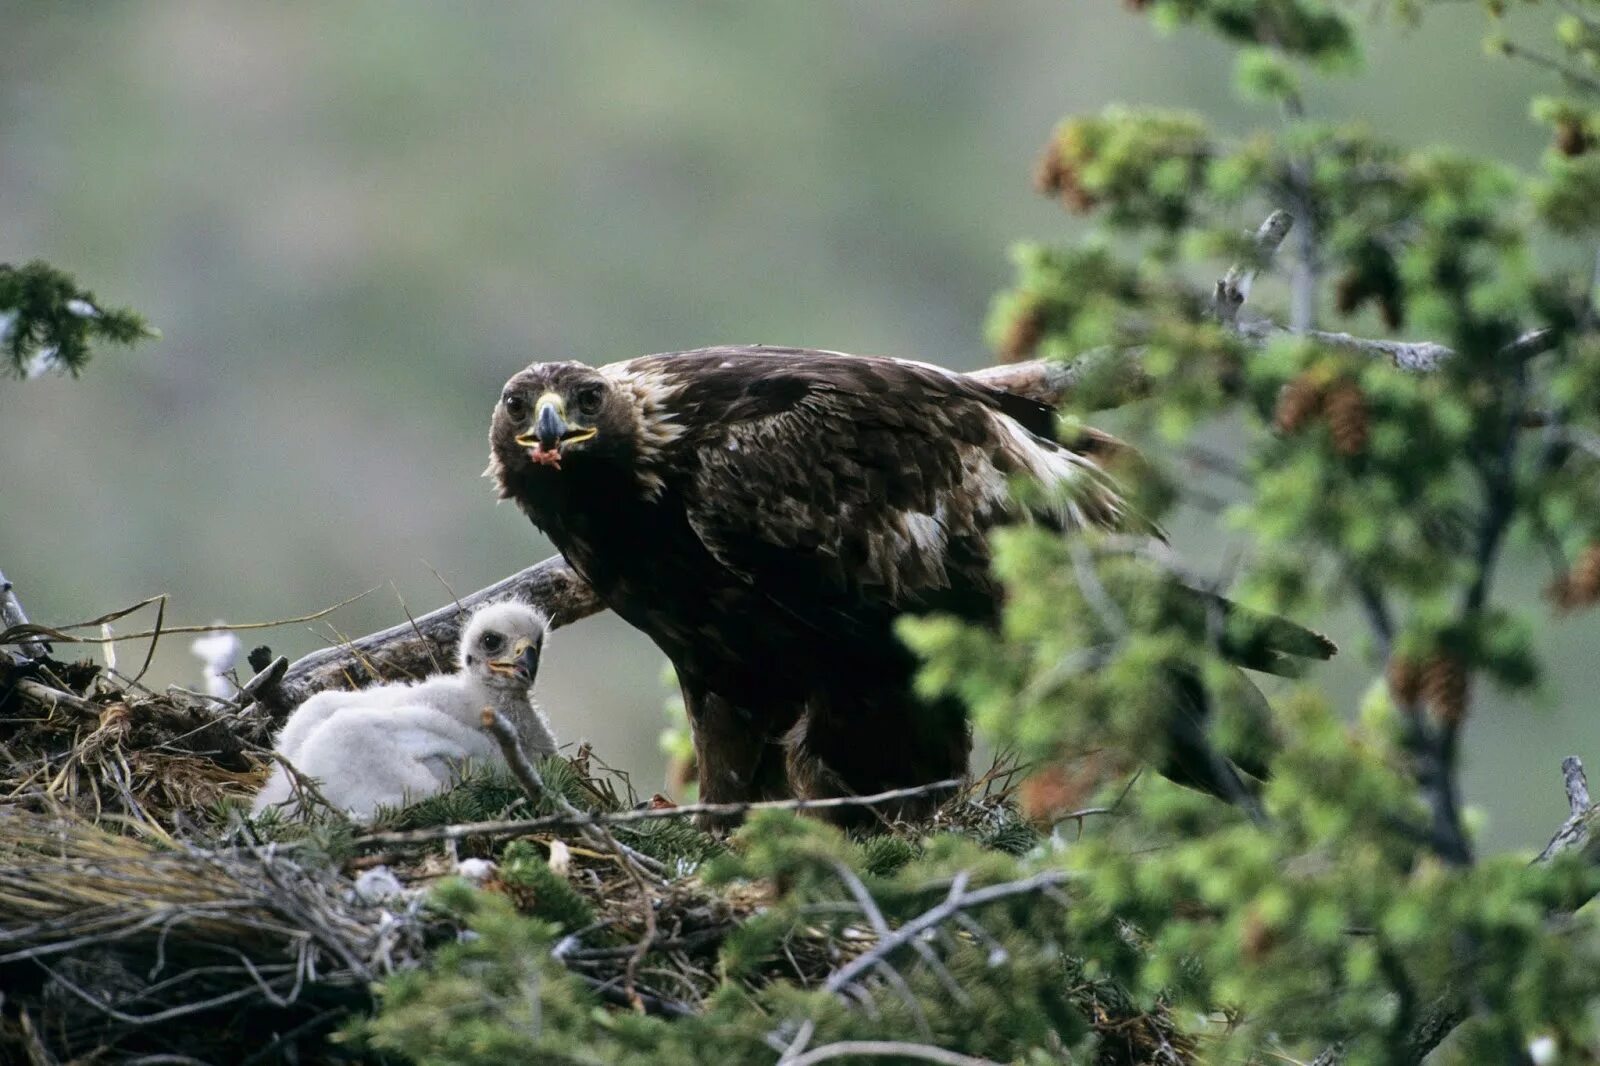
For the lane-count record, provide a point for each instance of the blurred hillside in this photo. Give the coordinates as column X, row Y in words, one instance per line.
column 352, row 223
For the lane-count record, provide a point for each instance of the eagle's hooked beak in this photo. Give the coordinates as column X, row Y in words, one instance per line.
column 522, row 664
column 550, row 430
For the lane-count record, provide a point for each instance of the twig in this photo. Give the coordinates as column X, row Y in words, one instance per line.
column 577, row 819
column 958, row 899
column 1577, row 832
column 1233, row 288
column 505, row 734
column 19, row 634
column 48, row 698
column 886, row 1049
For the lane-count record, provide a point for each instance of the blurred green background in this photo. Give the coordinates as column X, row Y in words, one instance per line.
column 353, row 222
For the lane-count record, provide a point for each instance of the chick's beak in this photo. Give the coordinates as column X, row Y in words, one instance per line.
column 522, row 664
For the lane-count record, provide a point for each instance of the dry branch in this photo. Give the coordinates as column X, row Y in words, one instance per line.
column 577, row 819
column 12, row 614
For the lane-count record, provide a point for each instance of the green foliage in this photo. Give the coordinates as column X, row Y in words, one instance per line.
column 47, row 322
column 551, row 896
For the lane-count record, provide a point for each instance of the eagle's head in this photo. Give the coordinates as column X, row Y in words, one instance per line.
column 558, row 413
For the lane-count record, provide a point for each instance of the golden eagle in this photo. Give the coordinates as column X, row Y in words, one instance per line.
column 765, row 514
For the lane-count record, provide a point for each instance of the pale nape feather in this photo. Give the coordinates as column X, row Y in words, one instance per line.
column 375, row 745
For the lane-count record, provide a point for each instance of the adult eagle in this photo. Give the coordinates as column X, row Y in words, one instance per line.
column 765, row 514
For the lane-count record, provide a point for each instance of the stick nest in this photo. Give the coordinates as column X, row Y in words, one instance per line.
column 143, row 914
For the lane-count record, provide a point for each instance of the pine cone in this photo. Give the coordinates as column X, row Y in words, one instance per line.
column 1579, row 586
column 1256, row 937
column 1051, row 173
column 1346, row 408
column 1445, row 688
column 1022, row 333
column 1405, row 680
column 1298, row 403
column 1585, row 577
column 1571, row 138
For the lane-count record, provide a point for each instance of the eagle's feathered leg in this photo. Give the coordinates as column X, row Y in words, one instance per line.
column 852, row 750
column 738, row 758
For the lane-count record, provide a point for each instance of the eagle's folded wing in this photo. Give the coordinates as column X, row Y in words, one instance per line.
column 850, row 484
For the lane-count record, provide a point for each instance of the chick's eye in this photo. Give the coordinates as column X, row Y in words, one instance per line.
column 589, row 399
column 516, row 406
column 493, row 642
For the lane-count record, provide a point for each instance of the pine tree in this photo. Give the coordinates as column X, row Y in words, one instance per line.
column 48, row 322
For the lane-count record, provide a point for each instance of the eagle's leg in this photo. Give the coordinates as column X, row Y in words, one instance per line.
column 738, row 754
column 877, row 746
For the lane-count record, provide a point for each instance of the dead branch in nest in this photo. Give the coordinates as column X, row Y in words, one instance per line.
column 577, row 818
column 12, row 614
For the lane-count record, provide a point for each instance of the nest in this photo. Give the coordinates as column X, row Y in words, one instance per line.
column 142, row 915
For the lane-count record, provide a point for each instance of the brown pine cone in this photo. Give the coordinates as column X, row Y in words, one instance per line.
column 1298, row 403
column 1022, row 333
column 1051, row 173
column 1580, row 585
column 1405, row 680
column 1346, row 408
column 1571, row 138
column 1584, row 579
column 1256, row 938
column 1446, row 688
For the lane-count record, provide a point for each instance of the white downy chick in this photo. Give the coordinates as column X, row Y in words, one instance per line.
column 394, row 743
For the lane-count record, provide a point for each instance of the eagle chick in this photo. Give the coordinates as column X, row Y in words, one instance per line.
column 390, row 744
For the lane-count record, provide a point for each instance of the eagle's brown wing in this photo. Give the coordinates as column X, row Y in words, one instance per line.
column 841, row 480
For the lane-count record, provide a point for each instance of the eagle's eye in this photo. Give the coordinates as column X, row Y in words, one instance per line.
column 493, row 642
column 588, row 399
column 516, row 405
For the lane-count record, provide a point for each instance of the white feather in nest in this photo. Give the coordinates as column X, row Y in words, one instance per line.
column 217, row 651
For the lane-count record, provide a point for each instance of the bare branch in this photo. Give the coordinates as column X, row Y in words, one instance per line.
column 958, row 899
column 886, row 1049
column 1578, row 832
column 1233, row 289
column 11, row 614
column 1577, row 784
column 578, row 818
column 48, row 698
